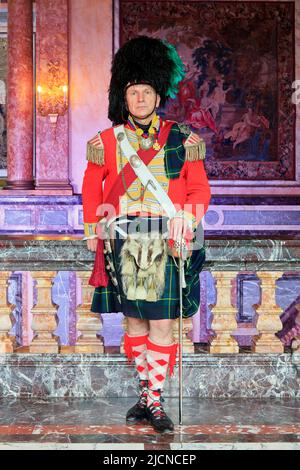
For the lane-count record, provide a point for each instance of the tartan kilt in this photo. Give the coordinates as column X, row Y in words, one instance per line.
column 105, row 299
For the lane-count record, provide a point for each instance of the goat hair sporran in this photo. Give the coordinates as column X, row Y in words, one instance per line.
column 143, row 260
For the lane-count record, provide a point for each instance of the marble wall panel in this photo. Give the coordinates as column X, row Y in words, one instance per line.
column 29, row 296
column 14, row 296
column 52, row 148
column 90, row 61
column 40, row 214
column 270, row 217
column 288, row 289
column 53, row 217
column 17, row 217
column 61, row 297
column 249, row 294
column 112, row 329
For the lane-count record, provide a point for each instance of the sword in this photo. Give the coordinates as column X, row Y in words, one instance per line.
column 180, row 341
column 182, row 251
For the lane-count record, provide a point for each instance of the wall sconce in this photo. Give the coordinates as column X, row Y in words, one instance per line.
column 52, row 101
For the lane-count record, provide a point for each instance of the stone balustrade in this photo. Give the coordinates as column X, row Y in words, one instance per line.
column 225, row 259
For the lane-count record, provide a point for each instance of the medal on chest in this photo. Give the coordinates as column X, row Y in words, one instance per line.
column 147, row 140
column 146, row 143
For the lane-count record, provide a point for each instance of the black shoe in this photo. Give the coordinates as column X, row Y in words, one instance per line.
column 137, row 413
column 158, row 417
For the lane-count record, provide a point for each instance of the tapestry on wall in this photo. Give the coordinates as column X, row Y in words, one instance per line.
column 239, row 59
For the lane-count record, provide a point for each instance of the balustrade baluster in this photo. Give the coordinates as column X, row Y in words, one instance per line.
column 44, row 315
column 224, row 315
column 268, row 322
column 125, row 328
column 187, row 326
column 88, row 323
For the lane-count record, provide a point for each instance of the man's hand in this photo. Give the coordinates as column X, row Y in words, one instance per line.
column 92, row 244
column 178, row 228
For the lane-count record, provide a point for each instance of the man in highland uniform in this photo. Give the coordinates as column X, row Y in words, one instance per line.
column 144, row 285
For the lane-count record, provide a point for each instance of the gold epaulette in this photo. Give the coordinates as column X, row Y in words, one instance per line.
column 194, row 148
column 95, row 150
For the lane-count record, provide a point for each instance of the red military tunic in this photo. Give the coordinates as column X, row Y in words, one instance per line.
column 190, row 192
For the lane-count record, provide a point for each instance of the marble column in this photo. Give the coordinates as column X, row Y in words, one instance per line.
column 19, row 96
column 52, row 149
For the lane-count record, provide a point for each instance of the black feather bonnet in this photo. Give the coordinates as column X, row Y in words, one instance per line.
column 143, row 60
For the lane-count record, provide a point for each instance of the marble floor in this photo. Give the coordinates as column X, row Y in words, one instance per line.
column 77, row 423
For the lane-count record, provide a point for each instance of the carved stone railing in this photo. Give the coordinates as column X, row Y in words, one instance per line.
column 43, row 257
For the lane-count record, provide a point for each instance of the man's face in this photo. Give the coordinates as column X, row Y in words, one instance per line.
column 141, row 100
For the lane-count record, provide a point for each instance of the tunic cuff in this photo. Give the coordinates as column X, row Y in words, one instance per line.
column 90, row 230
